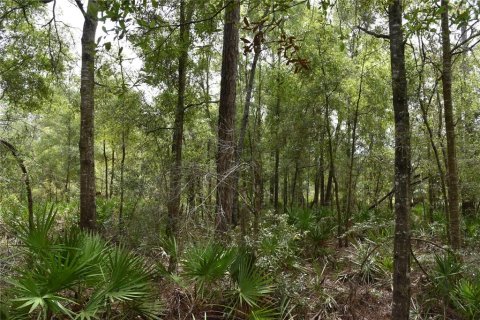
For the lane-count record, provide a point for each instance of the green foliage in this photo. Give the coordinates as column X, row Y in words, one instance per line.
column 446, row 274
column 371, row 264
column 277, row 244
column 250, row 284
column 77, row 275
column 205, row 264
column 466, row 297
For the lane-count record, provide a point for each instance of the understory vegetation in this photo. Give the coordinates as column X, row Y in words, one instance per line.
column 290, row 268
column 239, row 159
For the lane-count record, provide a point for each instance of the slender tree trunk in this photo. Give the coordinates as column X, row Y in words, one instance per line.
column 332, row 180
column 328, row 192
column 105, row 158
column 316, row 184
column 174, row 212
column 351, row 163
column 26, row 180
column 438, row 162
column 69, row 160
column 339, row 212
column 322, row 178
column 88, row 216
column 112, row 173
column 401, row 270
column 243, row 131
column 285, row 189
column 122, row 187
column 226, row 118
column 452, row 174
column 294, row 185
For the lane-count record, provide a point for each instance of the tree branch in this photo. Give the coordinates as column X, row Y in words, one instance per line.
column 461, row 43
column 199, row 104
column 376, row 35
column 80, row 6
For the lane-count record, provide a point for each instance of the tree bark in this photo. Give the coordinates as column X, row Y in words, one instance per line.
column 452, row 173
column 88, row 214
column 401, row 272
column 226, row 119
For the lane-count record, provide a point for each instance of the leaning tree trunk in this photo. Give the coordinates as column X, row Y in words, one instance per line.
column 87, row 87
column 26, row 179
column 226, row 119
column 243, row 132
column 452, row 174
column 401, row 272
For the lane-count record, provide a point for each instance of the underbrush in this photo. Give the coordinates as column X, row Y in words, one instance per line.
column 290, row 269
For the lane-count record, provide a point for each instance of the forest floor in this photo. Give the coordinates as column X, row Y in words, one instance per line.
column 334, row 283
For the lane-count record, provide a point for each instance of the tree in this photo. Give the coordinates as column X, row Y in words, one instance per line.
column 87, row 108
column 452, row 173
column 401, row 250
column 226, row 118
column 174, row 211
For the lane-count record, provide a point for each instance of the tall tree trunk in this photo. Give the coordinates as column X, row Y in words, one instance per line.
column 243, row 131
column 351, row 154
column 226, row 118
column 401, row 270
column 88, row 216
column 433, row 146
column 174, row 212
column 452, row 174
column 258, row 164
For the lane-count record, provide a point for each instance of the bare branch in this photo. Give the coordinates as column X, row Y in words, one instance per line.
column 462, row 43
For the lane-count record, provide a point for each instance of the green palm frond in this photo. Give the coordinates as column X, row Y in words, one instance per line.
column 127, row 277
column 205, row 264
column 466, row 297
column 250, row 285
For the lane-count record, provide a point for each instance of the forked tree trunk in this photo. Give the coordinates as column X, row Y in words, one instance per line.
column 401, row 270
column 88, row 216
column 452, row 174
column 226, row 118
